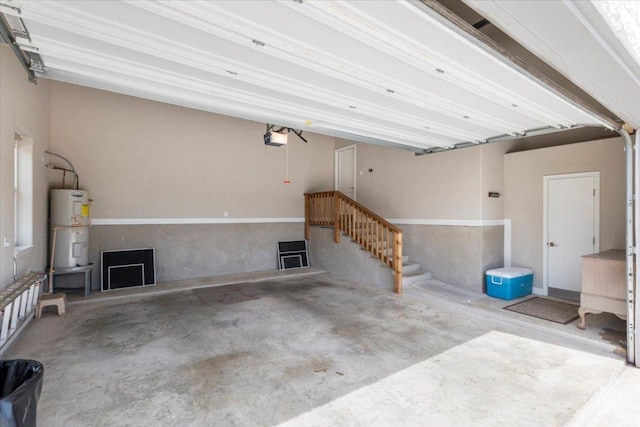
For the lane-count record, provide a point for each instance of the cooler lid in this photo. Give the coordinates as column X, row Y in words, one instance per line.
column 510, row 272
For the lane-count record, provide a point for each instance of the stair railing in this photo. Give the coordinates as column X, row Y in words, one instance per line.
column 375, row 234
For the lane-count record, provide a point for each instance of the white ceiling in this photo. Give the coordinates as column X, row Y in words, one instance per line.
column 575, row 38
column 376, row 71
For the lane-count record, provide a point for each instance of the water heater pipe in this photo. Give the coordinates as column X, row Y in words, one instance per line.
column 53, row 253
column 75, row 174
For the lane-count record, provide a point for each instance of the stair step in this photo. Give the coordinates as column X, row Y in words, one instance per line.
column 405, row 258
column 416, row 277
column 409, row 267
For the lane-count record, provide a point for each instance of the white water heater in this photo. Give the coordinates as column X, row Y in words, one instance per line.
column 70, row 220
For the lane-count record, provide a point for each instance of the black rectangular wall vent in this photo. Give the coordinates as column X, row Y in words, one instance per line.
column 126, row 268
column 293, row 254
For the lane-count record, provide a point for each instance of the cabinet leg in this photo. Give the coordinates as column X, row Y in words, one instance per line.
column 582, row 312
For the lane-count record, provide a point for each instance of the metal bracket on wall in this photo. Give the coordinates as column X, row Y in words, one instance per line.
column 7, row 36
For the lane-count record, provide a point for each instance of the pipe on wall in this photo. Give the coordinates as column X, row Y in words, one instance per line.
column 73, row 170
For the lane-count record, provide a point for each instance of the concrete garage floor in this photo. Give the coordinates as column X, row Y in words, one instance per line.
column 319, row 351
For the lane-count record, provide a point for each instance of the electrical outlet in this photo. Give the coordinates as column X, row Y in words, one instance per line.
column 226, row 214
column 5, row 242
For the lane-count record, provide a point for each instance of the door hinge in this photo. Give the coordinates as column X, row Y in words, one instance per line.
column 594, row 241
column 594, row 192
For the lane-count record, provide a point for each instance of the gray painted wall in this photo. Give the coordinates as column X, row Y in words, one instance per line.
column 492, row 250
column 195, row 250
column 346, row 259
column 454, row 254
column 458, row 255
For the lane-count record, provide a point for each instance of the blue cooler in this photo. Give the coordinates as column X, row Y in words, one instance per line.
column 509, row 282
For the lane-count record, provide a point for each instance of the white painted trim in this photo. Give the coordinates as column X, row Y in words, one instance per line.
column 161, row 221
column 545, row 236
column 545, row 218
column 507, row 243
column 454, row 222
column 20, row 251
column 169, row 221
column 450, row 222
column 336, row 169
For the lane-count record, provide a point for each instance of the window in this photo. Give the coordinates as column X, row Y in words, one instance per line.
column 23, row 193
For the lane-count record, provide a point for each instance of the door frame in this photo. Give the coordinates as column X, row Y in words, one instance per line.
column 545, row 218
column 336, row 164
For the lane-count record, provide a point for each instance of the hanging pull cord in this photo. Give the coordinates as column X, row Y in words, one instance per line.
column 287, row 180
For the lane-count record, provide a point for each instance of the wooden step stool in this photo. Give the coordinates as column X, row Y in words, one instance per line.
column 59, row 300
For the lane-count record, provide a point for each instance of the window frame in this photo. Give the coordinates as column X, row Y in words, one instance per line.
column 23, row 189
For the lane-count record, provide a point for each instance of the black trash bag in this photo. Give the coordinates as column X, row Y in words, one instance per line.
column 20, row 387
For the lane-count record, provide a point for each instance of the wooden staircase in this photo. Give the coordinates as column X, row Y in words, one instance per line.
column 372, row 232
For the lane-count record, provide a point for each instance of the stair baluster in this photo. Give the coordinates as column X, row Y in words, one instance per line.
column 378, row 236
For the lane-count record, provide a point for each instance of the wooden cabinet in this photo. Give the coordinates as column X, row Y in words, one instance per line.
column 604, row 284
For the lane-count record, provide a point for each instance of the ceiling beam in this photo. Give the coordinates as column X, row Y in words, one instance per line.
column 445, row 16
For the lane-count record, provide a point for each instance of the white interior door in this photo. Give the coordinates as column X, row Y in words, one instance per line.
column 345, row 168
column 571, row 227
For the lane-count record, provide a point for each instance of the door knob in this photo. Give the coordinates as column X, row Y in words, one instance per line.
column 551, row 244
